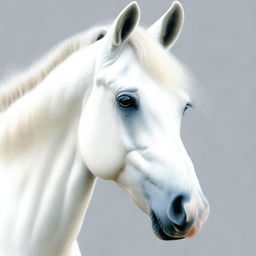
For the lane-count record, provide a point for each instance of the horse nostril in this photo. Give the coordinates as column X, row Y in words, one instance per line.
column 178, row 205
column 176, row 211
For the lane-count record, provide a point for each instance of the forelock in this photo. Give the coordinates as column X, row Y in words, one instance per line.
column 158, row 62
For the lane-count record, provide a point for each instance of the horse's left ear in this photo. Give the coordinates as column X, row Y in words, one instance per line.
column 167, row 29
column 125, row 23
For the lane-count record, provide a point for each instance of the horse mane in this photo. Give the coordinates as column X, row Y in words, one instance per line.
column 158, row 62
column 24, row 82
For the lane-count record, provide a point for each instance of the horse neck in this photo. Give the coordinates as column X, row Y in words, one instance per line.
column 44, row 183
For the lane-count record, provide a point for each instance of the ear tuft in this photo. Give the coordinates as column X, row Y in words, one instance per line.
column 168, row 27
column 125, row 23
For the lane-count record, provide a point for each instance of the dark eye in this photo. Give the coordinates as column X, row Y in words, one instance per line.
column 101, row 35
column 188, row 105
column 127, row 101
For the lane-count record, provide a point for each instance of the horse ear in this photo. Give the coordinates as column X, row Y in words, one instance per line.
column 167, row 29
column 125, row 23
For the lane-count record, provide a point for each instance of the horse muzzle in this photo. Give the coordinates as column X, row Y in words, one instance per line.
column 183, row 217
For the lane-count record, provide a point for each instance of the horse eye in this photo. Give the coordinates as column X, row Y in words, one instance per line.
column 188, row 105
column 101, row 35
column 127, row 101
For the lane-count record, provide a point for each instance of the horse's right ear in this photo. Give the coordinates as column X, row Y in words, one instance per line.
column 125, row 24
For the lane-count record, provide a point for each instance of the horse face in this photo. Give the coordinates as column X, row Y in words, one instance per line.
column 130, row 132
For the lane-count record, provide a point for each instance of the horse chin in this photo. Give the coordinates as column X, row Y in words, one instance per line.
column 161, row 235
column 159, row 232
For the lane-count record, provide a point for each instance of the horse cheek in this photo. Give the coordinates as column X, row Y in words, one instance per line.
column 100, row 143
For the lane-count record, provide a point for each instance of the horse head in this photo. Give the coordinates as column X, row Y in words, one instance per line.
column 129, row 129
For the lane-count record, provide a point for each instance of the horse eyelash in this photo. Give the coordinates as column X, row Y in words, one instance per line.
column 190, row 105
column 187, row 106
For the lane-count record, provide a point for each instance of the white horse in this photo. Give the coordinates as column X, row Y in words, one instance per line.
column 106, row 104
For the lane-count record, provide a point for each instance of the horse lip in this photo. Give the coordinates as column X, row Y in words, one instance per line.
column 163, row 236
column 159, row 232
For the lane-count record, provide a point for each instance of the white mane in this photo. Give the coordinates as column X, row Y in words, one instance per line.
column 22, row 83
column 158, row 62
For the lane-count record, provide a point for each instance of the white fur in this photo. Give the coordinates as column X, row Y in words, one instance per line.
column 60, row 128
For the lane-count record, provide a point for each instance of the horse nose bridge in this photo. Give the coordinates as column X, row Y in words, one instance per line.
column 171, row 155
column 173, row 152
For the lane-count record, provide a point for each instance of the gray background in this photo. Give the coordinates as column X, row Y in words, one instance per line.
column 218, row 45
